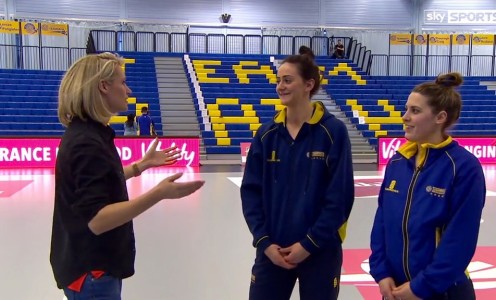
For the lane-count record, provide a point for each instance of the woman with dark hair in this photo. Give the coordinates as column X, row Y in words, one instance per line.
column 130, row 126
column 297, row 190
column 430, row 203
column 304, row 50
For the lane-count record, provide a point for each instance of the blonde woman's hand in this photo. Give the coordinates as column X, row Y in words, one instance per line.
column 169, row 189
column 156, row 158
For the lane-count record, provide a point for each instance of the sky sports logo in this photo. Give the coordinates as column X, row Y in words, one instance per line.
column 460, row 17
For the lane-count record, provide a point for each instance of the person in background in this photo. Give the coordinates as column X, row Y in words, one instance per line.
column 145, row 123
column 338, row 50
column 130, row 126
column 297, row 191
column 93, row 245
column 430, row 203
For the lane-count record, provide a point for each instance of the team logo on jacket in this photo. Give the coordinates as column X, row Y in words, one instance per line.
column 391, row 187
column 316, row 155
column 435, row 191
column 273, row 157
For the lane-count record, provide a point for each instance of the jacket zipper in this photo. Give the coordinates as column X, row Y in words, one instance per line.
column 406, row 215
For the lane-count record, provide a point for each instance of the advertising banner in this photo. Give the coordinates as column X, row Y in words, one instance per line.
column 54, row 29
column 42, row 152
column 245, row 147
column 483, row 148
column 400, row 38
column 439, row 39
column 11, row 27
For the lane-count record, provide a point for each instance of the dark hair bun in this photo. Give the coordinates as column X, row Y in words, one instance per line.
column 304, row 50
column 450, row 79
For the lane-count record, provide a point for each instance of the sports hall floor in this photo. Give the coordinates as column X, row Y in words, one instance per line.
column 195, row 248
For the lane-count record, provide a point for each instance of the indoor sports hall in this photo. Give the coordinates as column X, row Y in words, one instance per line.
column 206, row 72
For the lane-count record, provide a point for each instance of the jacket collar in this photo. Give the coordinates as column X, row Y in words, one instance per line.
column 411, row 149
column 319, row 111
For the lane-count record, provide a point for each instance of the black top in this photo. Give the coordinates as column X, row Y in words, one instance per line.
column 88, row 177
column 339, row 49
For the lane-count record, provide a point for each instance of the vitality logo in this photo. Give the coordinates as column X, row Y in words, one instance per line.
column 389, row 149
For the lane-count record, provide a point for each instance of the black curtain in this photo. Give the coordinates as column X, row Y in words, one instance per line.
column 90, row 44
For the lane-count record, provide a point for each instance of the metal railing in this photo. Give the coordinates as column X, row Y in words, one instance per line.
column 107, row 40
column 432, row 65
column 39, row 58
column 45, row 57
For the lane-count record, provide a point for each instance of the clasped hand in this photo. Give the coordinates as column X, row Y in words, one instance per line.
column 287, row 258
column 390, row 291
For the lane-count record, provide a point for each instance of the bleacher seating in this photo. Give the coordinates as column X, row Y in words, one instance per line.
column 142, row 80
column 28, row 102
column 28, row 99
column 236, row 94
column 376, row 107
column 239, row 93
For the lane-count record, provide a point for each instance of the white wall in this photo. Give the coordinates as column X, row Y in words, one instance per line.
column 260, row 13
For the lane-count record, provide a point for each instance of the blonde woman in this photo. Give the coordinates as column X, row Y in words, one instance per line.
column 93, row 246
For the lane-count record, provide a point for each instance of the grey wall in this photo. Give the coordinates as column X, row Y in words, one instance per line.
column 267, row 12
column 88, row 9
column 316, row 13
column 168, row 11
column 3, row 8
column 386, row 14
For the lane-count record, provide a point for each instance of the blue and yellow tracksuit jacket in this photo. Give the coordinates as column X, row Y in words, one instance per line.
column 427, row 223
column 299, row 190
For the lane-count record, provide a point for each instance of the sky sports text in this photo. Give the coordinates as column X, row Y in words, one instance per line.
column 460, row 16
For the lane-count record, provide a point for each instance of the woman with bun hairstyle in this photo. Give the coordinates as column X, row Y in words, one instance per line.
column 430, row 204
column 297, row 191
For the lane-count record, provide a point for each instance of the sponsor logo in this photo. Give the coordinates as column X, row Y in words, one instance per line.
column 36, row 153
column 245, row 148
column 459, row 17
column 435, row 191
column 482, row 148
column 391, row 186
column 273, row 157
column 390, row 147
column 316, row 155
column 435, row 16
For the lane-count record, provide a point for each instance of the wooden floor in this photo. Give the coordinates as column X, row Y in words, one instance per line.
column 195, row 248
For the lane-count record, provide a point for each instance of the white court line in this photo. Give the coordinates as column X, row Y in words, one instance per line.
column 237, row 182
